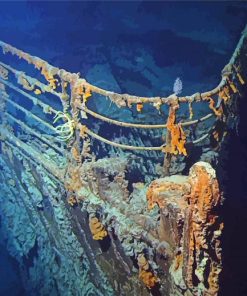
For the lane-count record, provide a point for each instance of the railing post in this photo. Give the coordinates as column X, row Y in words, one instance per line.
column 171, row 120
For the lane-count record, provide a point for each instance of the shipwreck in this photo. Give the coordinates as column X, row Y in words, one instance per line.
column 136, row 211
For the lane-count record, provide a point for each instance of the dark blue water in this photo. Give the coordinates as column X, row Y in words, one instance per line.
column 10, row 281
column 146, row 45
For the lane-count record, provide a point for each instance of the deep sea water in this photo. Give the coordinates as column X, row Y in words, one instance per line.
column 136, row 47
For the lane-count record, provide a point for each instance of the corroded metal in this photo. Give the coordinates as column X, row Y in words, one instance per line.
column 163, row 235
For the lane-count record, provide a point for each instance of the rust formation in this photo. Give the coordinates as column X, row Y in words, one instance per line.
column 189, row 208
column 162, row 233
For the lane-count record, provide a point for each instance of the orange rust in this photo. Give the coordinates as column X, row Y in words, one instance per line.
column 202, row 223
column 152, row 196
column 232, row 86
column 73, row 180
column 213, row 279
column 72, row 200
column 216, row 135
column 37, row 91
column 148, row 278
column 211, row 106
column 178, row 137
column 49, row 77
column 204, row 194
column 155, row 190
column 83, row 130
column 139, row 107
column 142, row 262
column 178, row 261
column 80, row 90
column 240, row 78
column 87, row 95
column 97, row 229
column 145, row 274
column 224, row 93
column 76, row 153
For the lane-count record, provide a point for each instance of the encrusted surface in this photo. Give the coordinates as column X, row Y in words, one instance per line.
column 191, row 225
column 91, row 222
